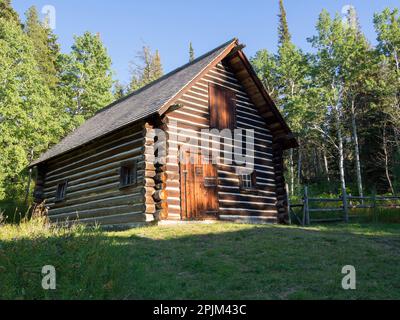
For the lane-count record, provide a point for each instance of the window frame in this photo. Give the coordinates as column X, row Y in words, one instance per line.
column 252, row 181
column 61, row 191
column 128, row 174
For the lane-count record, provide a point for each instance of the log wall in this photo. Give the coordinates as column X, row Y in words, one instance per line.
column 93, row 175
column 194, row 116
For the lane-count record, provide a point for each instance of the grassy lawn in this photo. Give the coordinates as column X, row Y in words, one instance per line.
column 218, row 261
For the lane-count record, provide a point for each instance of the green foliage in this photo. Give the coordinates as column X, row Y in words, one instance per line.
column 86, row 78
column 46, row 48
column 7, row 12
column 265, row 65
column 345, row 89
column 284, row 34
column 148, row 69
column 119, row 90
column 28, row 123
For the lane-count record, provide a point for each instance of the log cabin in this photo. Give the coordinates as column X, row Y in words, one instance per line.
column 116, row 170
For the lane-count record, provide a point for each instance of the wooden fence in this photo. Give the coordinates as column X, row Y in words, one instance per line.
column 345, row 204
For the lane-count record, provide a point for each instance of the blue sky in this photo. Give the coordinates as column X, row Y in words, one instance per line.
column 169, row 25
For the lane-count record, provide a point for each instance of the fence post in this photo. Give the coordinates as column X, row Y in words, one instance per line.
column 304, row 207
column 306, row 216
column 288, row 204
column 374, row 212
column 345, row 206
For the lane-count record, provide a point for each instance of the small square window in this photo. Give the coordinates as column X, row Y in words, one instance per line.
column 128, row 174
column 61, row 191
column 248, row 181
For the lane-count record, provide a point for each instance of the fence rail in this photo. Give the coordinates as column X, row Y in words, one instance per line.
column 347, row 201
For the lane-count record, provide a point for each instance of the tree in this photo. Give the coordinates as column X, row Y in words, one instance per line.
column 265, row 65
column 156, row 67
column 119, row 90
column 86, row 78
column 284, row 75
column 148, row 69
column 387, row 26
column 355, row 48
column 191, row 53
column 329, row 78
column 28, row 123
column 46, row 48
column 291, row 71
column 284, row 34
column 7, row 12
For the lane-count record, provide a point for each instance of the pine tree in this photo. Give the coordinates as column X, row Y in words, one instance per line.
column 284, row 34
column 147, row 70
column 156, row 67
column 46, row 48
column 28, row 123
column 292, row 69
column 191, row 53
column 7, row 12
column 119, row 90
column 86, row 78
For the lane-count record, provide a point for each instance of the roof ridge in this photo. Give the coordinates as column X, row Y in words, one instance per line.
column 166, row 76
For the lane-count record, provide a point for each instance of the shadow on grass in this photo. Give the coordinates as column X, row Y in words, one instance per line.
column 221, row 261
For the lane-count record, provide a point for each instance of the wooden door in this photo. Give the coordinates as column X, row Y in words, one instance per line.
column 199, row 189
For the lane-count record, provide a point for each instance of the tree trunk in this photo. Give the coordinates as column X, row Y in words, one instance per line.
column 299, row 167
column 291, row 172
column 28, row 187
column 341, row 167
column 326, row 164
column 356, row 149
column 386, row 154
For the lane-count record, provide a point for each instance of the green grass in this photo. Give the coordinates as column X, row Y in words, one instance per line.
column 13, row 211
column 218, row 261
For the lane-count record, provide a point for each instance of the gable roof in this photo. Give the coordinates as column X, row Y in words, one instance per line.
column 152, row 99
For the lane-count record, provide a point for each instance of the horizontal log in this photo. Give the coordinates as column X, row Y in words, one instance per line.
column 239, row 197
column 150, row 218
column 149, row 191
column 98, row 190
column 112, row 158
column 326, row 210
column 101, row 212
column 247, row 213
column 150, row 200
column 150, row 208
column 99, row 159
column 122, row 136
column 114, row 192
column 149, row 182
column 161, row 214
column 131, row 156
column 248, row 206
column 116, row 219
column 160, row 195
column 102, row 203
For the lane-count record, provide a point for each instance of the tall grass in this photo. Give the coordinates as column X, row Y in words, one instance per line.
column 14, row 211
